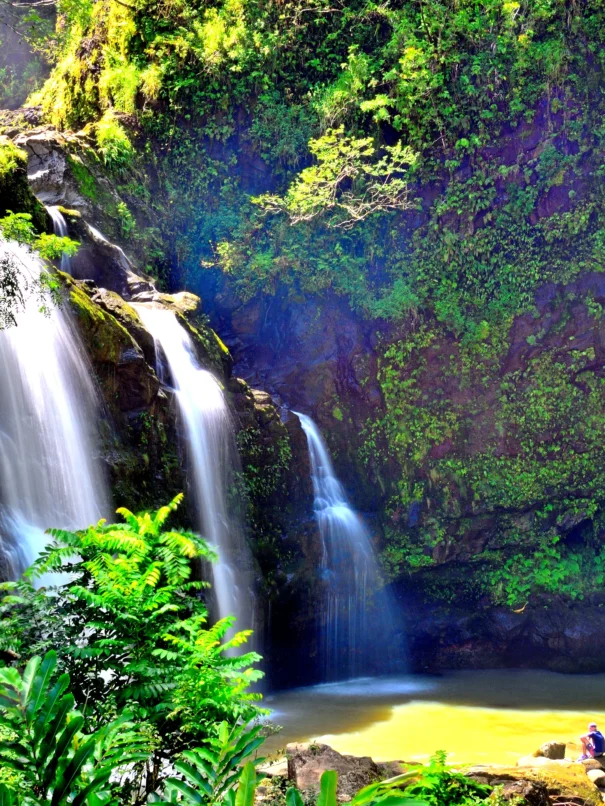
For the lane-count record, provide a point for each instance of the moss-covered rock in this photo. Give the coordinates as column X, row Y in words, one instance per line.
column 15, row 192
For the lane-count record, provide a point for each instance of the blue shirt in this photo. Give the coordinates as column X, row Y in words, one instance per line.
column 598, row 741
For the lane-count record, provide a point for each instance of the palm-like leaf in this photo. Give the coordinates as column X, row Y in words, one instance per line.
column 55, row 759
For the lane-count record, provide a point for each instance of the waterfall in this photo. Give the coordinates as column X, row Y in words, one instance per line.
column 356, row 622
column 60, row 228
column 212, row 454
column 49, row 476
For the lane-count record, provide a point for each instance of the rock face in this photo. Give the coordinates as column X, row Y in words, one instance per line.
column 477, row 466
column 307, row 762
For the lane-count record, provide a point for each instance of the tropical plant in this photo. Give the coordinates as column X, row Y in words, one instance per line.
column 439, row 785
column 17, row 282
column 211, row 773
column 19, row 227
column 42, row 740
column 131, row 629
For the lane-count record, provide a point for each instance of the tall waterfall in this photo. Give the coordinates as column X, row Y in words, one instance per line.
column 356, row 623
column 49, row 476
column 213, row 459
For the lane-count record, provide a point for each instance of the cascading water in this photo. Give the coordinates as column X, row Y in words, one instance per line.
column 60, row 228
column 356, row 622
column 49, row 476
column 213, row 457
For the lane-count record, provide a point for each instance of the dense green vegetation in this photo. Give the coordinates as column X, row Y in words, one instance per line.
column 139, row 700
column 130, row 633
column 435, row 162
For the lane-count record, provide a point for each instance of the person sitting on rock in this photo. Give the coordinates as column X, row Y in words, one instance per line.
column 593, row 742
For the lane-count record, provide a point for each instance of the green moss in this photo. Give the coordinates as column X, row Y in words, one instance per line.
column 105, row 337
column 87, row 184
column 337, row 414
column 11, row 157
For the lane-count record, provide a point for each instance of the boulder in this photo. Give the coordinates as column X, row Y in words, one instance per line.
column 597, row 777
column 552, row 750
column 276, row 769
column 307, row 762
column 183, row 302
column 594, row 763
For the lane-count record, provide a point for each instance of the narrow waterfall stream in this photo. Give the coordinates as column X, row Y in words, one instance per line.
column 49, row 473
column 356, row 619
column 212, row 453
column 60, row 228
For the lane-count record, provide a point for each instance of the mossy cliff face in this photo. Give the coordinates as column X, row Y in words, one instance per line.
column 471, row 432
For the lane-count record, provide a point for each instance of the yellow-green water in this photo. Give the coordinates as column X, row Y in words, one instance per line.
column 477, row 717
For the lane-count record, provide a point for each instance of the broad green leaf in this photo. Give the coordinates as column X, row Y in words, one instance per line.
column 67, row 782
column 223, row 733
column 293, row 797
column 188, row 791
column 327, row 788
column 60, row 753
column 28, row 679
column 7, row 796
column 247, row 786
column 40, row 683
column 194, row 776
column 100, row 780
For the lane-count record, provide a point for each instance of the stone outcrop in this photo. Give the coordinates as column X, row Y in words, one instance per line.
column 307, row 762
column 553, row 750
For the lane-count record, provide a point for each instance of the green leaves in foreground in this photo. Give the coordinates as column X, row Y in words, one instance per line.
column 387, row 793
column 42, row 744
column 210, row 774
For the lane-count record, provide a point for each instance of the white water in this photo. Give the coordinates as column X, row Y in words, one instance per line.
column 60, row 228
column 355, row 618
column 49, row 474
column 212, row 453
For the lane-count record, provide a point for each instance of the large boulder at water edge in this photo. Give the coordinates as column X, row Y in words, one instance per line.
column 545, row 783
column 307, row 762
column 554, row 750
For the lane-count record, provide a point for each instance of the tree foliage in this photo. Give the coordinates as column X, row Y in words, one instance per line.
column 131, row 630
column 347, row 182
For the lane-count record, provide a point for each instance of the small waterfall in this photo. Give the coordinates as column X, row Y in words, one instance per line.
column 49, row 476
column 213, row 456
column 60, row 228
column 356, row 623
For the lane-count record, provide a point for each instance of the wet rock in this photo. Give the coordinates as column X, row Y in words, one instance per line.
column 278, row 769
column 183, row 302
column 127, row 381
column 542, row 761
column 307, row 762
column 554, row 750
column 128, row 317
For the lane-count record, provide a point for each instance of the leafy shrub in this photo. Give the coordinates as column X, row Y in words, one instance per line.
column 114, row 144
column 42, row 742
column 131, row 630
